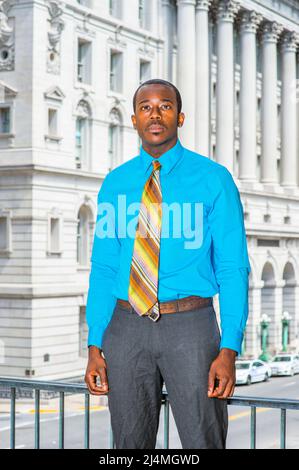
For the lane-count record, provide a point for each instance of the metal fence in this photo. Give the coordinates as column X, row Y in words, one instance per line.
column 63, row 388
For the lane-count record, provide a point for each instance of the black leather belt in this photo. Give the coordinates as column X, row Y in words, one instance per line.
column 178, row 305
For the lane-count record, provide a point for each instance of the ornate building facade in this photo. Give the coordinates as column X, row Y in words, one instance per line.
column 68, row 72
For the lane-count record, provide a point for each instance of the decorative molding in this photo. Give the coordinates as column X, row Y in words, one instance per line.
column 203, row 5
column 56, row 26
column 270, row 31
column 6, row 92
column 117, row 41
column 146, row 51
column 289, row 41
column 249, row 21
column 7, row 40
column 54, row 93
column 226, row 10
column 114, row 117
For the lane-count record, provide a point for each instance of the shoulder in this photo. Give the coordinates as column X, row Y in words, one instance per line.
column 113, row 179
column 215, row 174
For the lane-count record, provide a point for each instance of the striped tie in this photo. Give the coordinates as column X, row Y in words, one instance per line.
column 143, row 286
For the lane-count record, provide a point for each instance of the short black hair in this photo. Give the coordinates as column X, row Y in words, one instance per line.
column 159, row 81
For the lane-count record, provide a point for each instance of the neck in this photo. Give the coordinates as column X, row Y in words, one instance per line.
column 157, row 150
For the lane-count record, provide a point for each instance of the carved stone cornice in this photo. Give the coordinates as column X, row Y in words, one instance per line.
column 7, row 41
column 226, row 10
column 249, row 21
column 203, row 5
column 289, row 41
column 270, row 31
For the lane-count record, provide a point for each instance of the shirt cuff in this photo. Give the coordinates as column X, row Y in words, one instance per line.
column 232, row 338
column 95, row 335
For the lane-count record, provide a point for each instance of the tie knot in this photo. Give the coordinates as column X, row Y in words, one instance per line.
column 156, row 164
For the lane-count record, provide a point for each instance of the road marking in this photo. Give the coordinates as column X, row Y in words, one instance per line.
column 247, row 413
column 41, row 411
column 287, row 385
column 94, row 407
column 28, row 423
column 16, row 447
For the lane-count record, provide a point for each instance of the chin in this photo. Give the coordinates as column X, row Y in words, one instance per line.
column 157, row 139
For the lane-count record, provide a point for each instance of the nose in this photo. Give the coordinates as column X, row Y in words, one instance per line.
column 156, row 113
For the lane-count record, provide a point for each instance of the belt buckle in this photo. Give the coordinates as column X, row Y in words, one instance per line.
column 154, row 315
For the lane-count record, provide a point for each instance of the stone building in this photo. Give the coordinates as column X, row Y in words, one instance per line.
column 68, row 72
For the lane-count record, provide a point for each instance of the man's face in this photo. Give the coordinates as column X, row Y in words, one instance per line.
column 156, row 115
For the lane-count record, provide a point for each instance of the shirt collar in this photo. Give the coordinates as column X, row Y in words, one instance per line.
column 168, row 159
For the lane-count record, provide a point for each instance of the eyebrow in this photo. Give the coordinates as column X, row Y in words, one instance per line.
column 165, row 99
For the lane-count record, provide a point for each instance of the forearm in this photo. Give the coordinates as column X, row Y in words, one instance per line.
column 233, row 303
column 100, row 302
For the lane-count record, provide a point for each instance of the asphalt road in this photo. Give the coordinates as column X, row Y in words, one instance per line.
column 268, row 423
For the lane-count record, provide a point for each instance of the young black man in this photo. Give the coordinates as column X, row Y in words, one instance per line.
column 169, row 236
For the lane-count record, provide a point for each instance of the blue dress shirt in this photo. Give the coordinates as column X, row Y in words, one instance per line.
column 214, row 261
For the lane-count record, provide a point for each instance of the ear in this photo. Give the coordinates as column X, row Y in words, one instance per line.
column 133, row 118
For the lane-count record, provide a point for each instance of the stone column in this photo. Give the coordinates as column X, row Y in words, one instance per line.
column 277, row 327
column 168, row 37
column 202, row 112
column 227, row 9
column 270, row 34
column 249, row 21
column 186, row 68
column 253, row 340
column 288, row 110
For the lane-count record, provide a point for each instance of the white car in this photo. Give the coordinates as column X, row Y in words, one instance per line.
column 285, row 364
column 248, row 372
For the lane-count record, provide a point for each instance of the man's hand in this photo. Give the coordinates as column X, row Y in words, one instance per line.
column 223, row 371
column 96, row 367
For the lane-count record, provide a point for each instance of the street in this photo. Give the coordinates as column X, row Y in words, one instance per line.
column 268, row 421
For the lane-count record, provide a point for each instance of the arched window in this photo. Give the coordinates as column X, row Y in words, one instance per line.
column 114, row 140
column 83, row 135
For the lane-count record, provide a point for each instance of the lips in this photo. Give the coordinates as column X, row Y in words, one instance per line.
column 155, row 128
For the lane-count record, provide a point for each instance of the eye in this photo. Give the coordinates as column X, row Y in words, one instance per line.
column 145, row 106
column 167, row 106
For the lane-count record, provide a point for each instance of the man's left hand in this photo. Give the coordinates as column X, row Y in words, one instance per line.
column 224, row 371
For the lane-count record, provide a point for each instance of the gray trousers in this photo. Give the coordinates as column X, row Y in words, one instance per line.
column 178, row 349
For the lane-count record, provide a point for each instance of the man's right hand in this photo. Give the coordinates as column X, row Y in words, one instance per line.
column 96, row 367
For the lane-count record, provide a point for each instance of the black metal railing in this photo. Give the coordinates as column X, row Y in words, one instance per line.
column 63, row 388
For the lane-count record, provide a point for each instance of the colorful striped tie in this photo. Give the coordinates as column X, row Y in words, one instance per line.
column 143, row 286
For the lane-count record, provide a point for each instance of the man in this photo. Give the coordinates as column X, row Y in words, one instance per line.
column 149, row 306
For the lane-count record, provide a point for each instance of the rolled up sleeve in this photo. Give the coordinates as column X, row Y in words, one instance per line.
column 230, row 259
column 104, row 268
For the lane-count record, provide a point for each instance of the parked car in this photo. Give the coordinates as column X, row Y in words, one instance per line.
column 285, row 364
column 248, row 372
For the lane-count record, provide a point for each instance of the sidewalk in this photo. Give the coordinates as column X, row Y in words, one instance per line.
column 75, row 402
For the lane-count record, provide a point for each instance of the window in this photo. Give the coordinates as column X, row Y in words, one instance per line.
column 85, row 3
column 84, row 61
column 144, row 71
column 52, row 122
column 141, row 13
column 114, row 139
column 116, row 71
column 83, row 236
column 54, row 234
column 237, row 107
column 5, row 231
column 144, row 14
column 115, row 8
column 83, row 135
column 258, row 111
column 5, row 120
column 112, row 149
column 83, row 331
column 80, row 126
